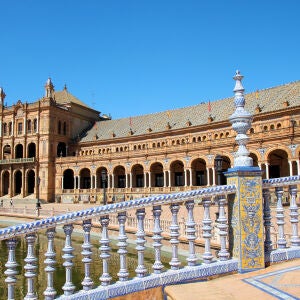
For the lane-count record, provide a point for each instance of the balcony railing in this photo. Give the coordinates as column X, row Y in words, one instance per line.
column 17, row 160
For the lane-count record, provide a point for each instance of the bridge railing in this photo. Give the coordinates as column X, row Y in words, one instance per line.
column 103, row 214
column 282, row 222
column 129, row 217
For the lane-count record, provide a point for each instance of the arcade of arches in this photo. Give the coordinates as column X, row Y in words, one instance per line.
column 19, row 179
column 60, row 149
column 166, row 175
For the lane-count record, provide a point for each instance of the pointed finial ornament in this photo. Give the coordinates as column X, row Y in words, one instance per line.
column 241, row 121
column 2, row 96
column 49, row 89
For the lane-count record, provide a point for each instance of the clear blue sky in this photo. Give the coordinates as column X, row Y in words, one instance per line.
column 130, row 58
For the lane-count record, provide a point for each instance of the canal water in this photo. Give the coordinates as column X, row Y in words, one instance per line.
column 59, row 274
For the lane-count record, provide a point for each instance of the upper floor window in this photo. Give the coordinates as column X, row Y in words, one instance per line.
column 4, row 129
column 59, row 127
column 29, row 126
column 35, row 125
column 10, row 128
column 20, row 128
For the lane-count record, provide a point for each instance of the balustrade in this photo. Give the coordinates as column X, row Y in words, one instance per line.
column 148, row 226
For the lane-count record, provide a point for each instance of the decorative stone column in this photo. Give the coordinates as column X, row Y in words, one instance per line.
column 245, row 208
column 208, row 176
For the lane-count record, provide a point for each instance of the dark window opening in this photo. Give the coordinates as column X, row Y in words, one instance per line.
column 159, row 180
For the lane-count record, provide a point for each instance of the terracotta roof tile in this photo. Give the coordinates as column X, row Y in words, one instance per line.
column 269, row 100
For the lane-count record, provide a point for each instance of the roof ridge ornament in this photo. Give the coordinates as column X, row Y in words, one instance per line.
column 241, row 122
column 2, row 96
column 49, row 89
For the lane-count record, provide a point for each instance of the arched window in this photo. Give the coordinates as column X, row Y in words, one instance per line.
column 65, row 128
column 68, row 182
column 31, row 150
column 6, row 152
column 61, row 150
column 19, row 151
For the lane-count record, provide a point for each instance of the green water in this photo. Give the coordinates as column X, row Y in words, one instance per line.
column 59, row 274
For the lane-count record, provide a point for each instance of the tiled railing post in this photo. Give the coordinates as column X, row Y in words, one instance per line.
column 50, row 262
column 11, row 268
column 30, row 266
column 280, row 218
column 140, row 241
column 191, row 232
column 267, row 220
column 295, row 240
column 174, row 234
column 157, row 237
column 246, row 208
column 87, row 282
column 246, row 218
column 122, row 244
column 105, row 249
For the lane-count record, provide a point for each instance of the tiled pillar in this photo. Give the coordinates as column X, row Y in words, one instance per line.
column 245, row 213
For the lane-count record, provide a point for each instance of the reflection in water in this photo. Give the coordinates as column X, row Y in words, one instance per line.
column 59, row 274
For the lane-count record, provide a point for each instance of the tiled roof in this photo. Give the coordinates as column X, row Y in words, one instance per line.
column 63, row 97
column 268, row 99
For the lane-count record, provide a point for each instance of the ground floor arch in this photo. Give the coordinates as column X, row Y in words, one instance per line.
column 17, row 182
column 5, row 183
column 30, row 182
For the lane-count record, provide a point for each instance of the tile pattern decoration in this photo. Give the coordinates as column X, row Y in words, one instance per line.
column 186, row 274
column 282, row 284
column 247, row 221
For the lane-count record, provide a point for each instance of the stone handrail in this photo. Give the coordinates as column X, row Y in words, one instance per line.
column 98, row 211
column 281, row 181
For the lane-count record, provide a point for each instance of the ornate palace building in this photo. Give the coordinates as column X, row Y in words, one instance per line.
column 59, row 149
